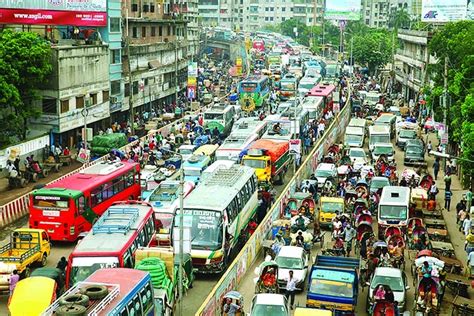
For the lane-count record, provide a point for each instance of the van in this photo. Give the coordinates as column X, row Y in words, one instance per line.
column 387, row 119
column 358, row 122
column 354, row 137
column 393, row 208
column 378, row 134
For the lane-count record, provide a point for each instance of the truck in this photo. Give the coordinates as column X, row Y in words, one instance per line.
column 269, row 158
column 333, row 284
column 27, row 247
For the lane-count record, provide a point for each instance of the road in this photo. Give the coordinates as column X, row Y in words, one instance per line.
column 247, row 286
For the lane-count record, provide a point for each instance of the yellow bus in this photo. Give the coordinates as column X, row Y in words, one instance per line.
column 303, row 311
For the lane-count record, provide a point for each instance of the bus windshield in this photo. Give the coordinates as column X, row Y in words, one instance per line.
column 331, row 207
column 253, row 163
column 393, row 212
column 83, row 267
column 331, row 288
column 55, row 202
column 353, row 138
column 206, row 229
column 192, row 172
column 248, row 86
column 374, row 139
column 288, row 86
column 213, row 116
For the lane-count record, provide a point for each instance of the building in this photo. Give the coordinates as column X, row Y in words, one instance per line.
column 411, row 61
column 155, row 61
column 376, row 13
column 191, row 15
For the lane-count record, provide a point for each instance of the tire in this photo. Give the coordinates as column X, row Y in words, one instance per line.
column 45, row 173
column 57, row 167
column 26, row 273
column 71, row 310
column 95, row 292
column 74, row 299
column 44, row 260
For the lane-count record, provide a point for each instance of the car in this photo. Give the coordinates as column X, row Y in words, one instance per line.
column 358, row 157
column 414, row 155
column 415, row 142
column 404, row 135
column 323, row 172
column 394, row 278
column 383, row 149
column 295, row 259
column 269, row 304
column 377, row 183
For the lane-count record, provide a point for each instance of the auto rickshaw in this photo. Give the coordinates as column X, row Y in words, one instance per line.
column 232, row 297
column 266, row 282
column 32, row 296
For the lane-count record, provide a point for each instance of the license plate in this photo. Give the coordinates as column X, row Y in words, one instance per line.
column 51, row 213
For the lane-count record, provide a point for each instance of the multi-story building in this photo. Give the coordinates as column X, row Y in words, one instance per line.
column 411, row 61
column 155, row 62
column 190, row 13
column 376, row 13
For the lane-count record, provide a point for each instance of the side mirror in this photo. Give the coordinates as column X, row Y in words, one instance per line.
column 407, row 287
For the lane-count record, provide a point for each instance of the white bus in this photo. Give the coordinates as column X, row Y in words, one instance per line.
column 314, row 105
column 233, row 146
column 220, row 116
column 217, row 211
column 248, row 126
column 393, row 208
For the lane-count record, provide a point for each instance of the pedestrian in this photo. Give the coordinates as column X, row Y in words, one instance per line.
column 14, row 278
column 290, row 288
column 349, row 234
column 433, row 191
column 447, row 181
column 469, row 200
column 470, row 262
column 62, row 264
column 436, row 168
column 429, row 147
column 460, row 218
column 466, row 225
column 447, row 199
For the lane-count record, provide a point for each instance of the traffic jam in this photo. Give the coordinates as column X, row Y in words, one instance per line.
column 150, row 221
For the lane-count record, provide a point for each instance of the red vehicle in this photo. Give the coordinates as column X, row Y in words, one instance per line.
column 69, row 206
column 112, row 242
column 326, row 91
column 259, row 45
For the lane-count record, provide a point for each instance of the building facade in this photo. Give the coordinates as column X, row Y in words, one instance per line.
column 376, row 13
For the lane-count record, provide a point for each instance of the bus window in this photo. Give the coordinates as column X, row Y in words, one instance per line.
column 81, row 204
column 146, row 297
column 128, row 259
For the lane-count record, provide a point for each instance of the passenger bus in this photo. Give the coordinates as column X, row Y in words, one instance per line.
column 254, row 92
column 302, row 118
column 220, row 116
column 112, row 242
column 69, row 206
column 217, row 211
column 248, row 126
column 314, row 105
column 129, row 292
column 393, row 208
column 288, row 88
column 326, row 91
column 194, row 166
column 233, row 146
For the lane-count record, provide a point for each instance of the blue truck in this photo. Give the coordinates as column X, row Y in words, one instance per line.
column 333, row 284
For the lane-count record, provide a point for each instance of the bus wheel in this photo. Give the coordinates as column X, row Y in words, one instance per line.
column 95, row 292
column 44, row 259
column 74, row 299
column 71, row 310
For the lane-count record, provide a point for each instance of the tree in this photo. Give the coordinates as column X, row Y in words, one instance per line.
column 287, row 28
column 372, row 49
column 399, row 19
column 24, row 66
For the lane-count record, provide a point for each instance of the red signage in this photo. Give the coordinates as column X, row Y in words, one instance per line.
column 49, row 17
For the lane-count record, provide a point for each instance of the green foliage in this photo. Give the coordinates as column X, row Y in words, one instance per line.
column 399, row 19
column 24, row 65
column 372, row 48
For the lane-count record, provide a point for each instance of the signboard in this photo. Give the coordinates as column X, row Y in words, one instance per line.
column 444, row 138
column 295, row 146
column 343, row 10
column 83, row 155
column 54, row 12
column 447, row 11
column 192, row 80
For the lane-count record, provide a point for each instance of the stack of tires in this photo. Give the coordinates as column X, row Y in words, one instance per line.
column 156, row 267
column 77, row 304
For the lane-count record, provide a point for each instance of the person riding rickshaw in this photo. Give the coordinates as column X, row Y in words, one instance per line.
column 418, row 239
column 380, row 251
column 267, row 278
column 291, row 208
column 426, row 182
column 426, row 296
column 361, row 206
column 412, row 223
column 362, row 189
column 392, row 231
column 232, row 304
column 310, row 205
column 384, row 303
column 396, row 248
column 349, row 198
column 363, row 232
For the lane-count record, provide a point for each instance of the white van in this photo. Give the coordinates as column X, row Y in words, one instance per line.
column 378, row 134
column 393, row 207
column 314, row 105
column 354, row 137
column 358, row 122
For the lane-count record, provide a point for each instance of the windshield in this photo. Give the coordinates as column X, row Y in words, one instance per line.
column 376, row 183
column 264, row 310
column 206, row 229
column 379, row 139
column 55, row 202
column 289, row 263
column 256, row 164
column 332, row 288
column 353, row 138
column 248, row 87
column 288, row 86
column 192, row 172
column 213, row 116
column 395, row 284
column 383, row 150
column 393, row 212
column 83, row 267
column 414, row 150
column 407, row 134
column 331, row 207
column 323, row 173
column 306, row 86
column 164, row 221
column 331, row 70
column 357, row 153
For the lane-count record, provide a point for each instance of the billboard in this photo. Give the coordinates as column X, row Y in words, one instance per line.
column 54, row 12
column 447, row 11
column 192, row 80
column 342, row 10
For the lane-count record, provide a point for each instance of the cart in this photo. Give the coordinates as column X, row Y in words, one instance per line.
column 65, row 160
column 441, row 248
column 462, row 306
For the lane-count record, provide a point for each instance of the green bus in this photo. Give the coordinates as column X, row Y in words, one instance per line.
column 254, row 92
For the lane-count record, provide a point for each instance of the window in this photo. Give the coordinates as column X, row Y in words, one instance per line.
column 135, row 87
column 134, row 7
column 79, row 102
column 143, row 31
column 283, row 9
column 49, row 106
column 146, row 7
column 153, row 31
column 134, row 32
column 64, row 106
column 169, row 30
column 114, row 25
column 94, row 98
column 127, row 90
column 105, row 95
column 266, row 18
column 81, row 205
column 152, row 7
column 271, row 9
column 266, row 9
column 115, row 56
column 115, row 87
column 160, row 31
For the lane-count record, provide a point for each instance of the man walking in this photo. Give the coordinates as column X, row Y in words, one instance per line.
column 469, row 200
column 291, row 288
column 447, row 199
column 436, row 168
column 447, row 181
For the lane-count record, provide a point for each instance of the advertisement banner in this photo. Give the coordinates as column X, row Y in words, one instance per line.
column 295, row 146
column 50, row 17
column 56, row 5
column 446, row 11
column 192, row 80
column 343, row 10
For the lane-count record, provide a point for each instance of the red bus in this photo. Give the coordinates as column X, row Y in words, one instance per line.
column 69, row 206
column 112, row 242
column 326, row 91
column 259, row 45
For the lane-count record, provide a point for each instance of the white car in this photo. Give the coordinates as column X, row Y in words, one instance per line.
column 383, row 149
column 358, row 157
column 295, row 259
column 395, row 279
column 269, row 304
column 325, row 171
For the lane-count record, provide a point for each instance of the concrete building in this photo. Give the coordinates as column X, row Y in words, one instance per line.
column 191, row 15
column 376, row 13
column 156, row 36
column 411, row 61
